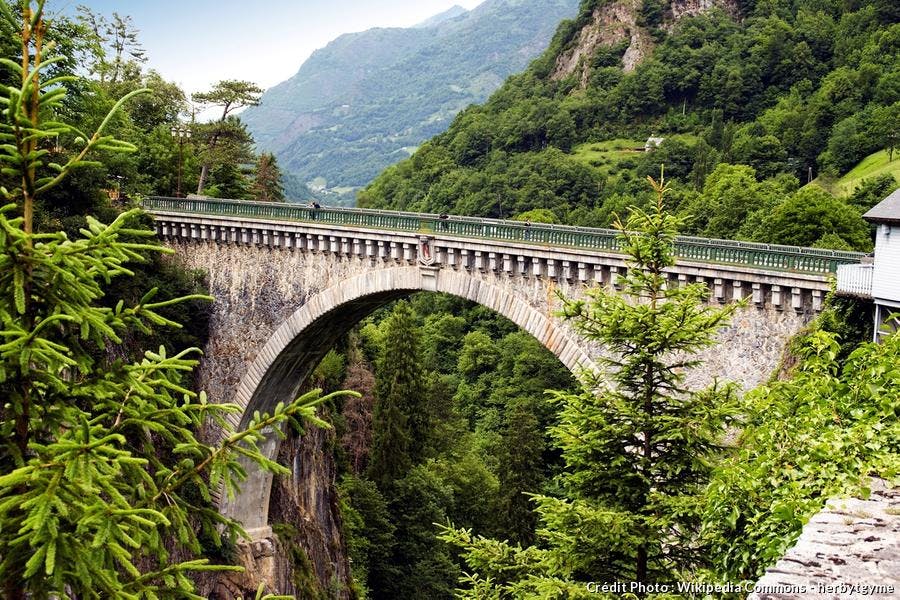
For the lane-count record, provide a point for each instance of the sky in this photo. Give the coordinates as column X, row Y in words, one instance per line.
column 198, row 42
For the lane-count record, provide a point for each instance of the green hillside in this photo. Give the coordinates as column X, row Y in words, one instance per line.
column 607, row 156
column 750, row 98
column 878, row 164
column 362, row 102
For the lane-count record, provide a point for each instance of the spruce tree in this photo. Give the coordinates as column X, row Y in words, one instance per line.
column 399, row 424
column 521, row 469
column 103, row 481
column 638, row 450
column 267, row 185
column 637, row 443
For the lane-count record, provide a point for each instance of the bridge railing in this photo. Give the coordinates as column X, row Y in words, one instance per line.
column 748, row 254
column 855, row 280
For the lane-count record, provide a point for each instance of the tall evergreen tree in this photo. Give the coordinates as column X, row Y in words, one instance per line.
column 521, row 469
column 102, row 475
column 639, row 450
column 230, row 95
column 399, row 424
column 267, row 184
column 227, row 146
column 390, row 447
column 637, row 443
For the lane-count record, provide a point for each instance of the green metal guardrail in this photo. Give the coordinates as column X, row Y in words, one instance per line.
column 762, row 256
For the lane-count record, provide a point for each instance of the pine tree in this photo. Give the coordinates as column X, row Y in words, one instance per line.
column 638, row 445
column 399, row 424
column 267, row 184
column 101, row 473
column 230, row 95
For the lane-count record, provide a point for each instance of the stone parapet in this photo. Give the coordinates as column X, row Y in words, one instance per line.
column 781, row 290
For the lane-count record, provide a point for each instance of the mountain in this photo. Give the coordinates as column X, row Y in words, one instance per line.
column 369, row 99
column 450, row 13
column 741, row 102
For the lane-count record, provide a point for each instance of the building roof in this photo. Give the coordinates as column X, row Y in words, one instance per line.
column 886, row 211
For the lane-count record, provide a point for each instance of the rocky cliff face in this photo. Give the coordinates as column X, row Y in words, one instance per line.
column 305, row 516
column 622, row 22
column 306, row 556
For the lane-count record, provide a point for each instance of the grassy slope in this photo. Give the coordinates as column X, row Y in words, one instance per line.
column 606, row 156
column 871, row 166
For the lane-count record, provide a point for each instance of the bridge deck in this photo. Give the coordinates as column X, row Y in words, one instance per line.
column 725, row 252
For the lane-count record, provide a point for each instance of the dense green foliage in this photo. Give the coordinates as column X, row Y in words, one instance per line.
column 795, row 88
column 458, row 433
column 367, row 99
column 557, row 480
column 820, row 433
column 637, row 444
column 109, row 50
column 105, row 487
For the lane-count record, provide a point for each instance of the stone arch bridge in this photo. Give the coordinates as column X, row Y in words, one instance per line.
column 289, row 280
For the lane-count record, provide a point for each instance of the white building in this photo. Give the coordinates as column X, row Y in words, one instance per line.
column 886, row 274
column 879, row 280
column 652, row 143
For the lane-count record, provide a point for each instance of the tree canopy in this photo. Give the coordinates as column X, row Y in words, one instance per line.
column 793, row 91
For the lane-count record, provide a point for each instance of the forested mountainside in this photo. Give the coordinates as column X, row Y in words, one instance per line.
column 368, row 99
column 747, row 100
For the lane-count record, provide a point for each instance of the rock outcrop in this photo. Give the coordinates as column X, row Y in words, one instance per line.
column 615, row 23
column 305, row 555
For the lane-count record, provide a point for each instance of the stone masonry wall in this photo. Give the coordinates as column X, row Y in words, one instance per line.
column 850, row 550
column 258, row 288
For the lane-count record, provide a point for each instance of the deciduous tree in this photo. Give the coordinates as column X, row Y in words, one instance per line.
column 808, row 215
column 820, row 433
column 116, row 50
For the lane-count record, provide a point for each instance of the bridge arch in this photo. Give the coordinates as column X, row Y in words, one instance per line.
column 297, row 346
column 266, row 259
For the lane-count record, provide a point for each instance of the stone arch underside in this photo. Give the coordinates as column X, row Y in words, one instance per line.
column 301, row 341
